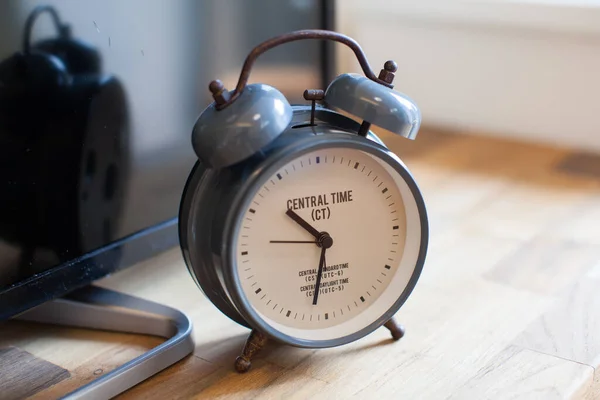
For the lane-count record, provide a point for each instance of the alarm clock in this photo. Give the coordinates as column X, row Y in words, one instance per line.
column 297, row 221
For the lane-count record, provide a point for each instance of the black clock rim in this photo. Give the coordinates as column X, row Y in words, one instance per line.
column 197, row 251
column 242, row 200
column 196, row 261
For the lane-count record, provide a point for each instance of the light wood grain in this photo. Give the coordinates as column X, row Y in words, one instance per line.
column 546, row 265
column 518, row 373
column 23, row 375
column 506, row 307
column 581, row 224
column 571, row 328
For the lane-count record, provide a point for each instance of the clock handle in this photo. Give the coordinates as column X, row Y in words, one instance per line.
column 223, row 99
column 63, row 29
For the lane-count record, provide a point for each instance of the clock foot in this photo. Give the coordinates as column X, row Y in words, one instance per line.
column 254, row 343
column 395, row 328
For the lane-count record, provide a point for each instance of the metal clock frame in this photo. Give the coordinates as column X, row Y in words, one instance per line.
column 212, row 265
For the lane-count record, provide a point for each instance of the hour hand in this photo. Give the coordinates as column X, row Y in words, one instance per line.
column 300, row 221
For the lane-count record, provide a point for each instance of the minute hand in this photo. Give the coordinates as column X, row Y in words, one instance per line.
column 303, row 223
column 319, row 275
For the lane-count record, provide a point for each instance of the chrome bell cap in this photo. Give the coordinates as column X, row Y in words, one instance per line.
column 374, row 103
column 257, row 117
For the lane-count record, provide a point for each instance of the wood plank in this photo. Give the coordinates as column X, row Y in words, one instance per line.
column 427, row 142
column 571, row 328
column 510, row 233
column 68, row 347
column 498, row 158
column 198, row 379
column 89, row 369
column 451, row 334
column 581, row 223
column 524, row 211
column 462, row 255
column 24, row 375
column 518, row 373
column 581, row 163
column 514, row 373
column 183, row 380
column 545, row 266
column 593, row 392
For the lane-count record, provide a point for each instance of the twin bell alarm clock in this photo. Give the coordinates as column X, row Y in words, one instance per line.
column 296, row 221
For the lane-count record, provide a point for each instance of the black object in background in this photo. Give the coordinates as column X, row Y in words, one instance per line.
column 63, row 145
column 96, row 111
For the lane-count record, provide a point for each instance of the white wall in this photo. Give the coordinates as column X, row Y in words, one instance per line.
column 527, row 69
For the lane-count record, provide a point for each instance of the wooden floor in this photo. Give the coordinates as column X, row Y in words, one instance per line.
column 508, row 305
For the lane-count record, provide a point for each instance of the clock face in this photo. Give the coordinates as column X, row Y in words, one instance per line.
column 344, row 206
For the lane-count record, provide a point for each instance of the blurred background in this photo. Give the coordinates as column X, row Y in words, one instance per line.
column 524, row 69
column 166, row 53
column 105, row 155
column 507, row 159
column 507, row 91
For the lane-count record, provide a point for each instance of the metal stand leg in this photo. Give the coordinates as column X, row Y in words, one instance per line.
column 255, row 342
column 98, row 308
column 395, row 328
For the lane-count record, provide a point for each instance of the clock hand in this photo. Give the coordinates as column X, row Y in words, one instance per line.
column 298, row 219
column 326, row 242
column 319, row 274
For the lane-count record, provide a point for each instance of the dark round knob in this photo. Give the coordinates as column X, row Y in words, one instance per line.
column 219, row 93
column 216, row 86
column 390, row 66
column 325, row 240
column 387, row 73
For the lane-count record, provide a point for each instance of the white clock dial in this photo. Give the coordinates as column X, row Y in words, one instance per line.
column 369, row 212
